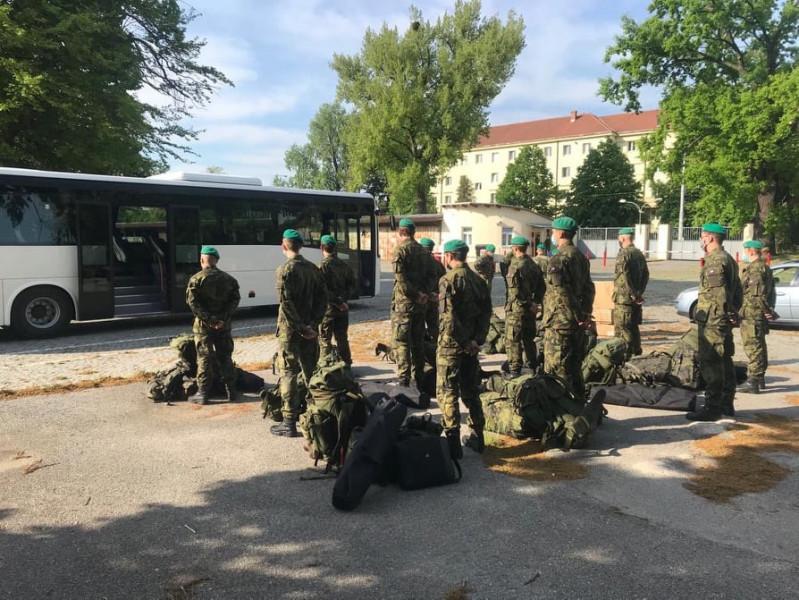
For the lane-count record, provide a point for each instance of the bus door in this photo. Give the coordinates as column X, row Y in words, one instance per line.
column 184, row 252
column 95, row 270
column 351, row 250
column 368, row 245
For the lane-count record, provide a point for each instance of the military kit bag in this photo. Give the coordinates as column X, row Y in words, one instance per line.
column 167, row 386
column 663, row 397
column 495, row 338
column 568, row 431
column 602, row 362
column 649, row 369
column 424, row 460
column 184, row 344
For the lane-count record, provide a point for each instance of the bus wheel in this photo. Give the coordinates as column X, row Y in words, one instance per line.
column 41, row 311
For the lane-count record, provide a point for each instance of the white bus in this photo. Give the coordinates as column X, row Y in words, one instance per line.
column 86, row 247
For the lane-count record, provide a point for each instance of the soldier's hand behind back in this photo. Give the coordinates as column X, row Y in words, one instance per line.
column 309, row 333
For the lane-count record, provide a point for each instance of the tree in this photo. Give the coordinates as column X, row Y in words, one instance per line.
column 605, row 177
column 321, row 163
column 528, row 182
column 465, row 191
column 730, row 100
column 421, row 97
column 69, row 73
column 215, row 170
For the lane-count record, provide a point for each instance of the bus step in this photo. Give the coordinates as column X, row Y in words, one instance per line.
column 129, row 290
column 143, row 308
column 136, row 299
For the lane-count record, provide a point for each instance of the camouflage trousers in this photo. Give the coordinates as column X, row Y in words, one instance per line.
column 407, row 329
column 564, row 352
column 431, row 321
column 626, row 319
column 520, row 336
column 335, row 325
column 458, row 376
column 214, row 347
column 297, row 358
column 753, row 334
column 716, row 349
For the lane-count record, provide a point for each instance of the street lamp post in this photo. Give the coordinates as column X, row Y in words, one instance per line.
column 638, row 208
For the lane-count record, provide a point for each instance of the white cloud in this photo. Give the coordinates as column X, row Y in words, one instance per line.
column 247, row 134
column 235, row 104
column 231, row 55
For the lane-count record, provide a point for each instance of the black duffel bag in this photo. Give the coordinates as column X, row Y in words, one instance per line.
column 424, row 460
column 637, row 395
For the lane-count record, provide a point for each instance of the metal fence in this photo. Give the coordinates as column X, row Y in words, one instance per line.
column 598, row 233
column 694, row 233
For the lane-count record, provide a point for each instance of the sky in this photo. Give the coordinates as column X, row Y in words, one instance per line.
column 278, row 54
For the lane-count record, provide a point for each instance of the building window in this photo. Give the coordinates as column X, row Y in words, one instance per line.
column 586, row 147
column 511, row 155
column 565, row 171
column 478, row 186
column 630, row 146
column 447, row 180
column 548, row 151
column 494, row 177
column 493, row 197
column 567, row 149
column 447, row 199
column 507, row 234
column 466, row 235
column 494, row 156
column 478, row 158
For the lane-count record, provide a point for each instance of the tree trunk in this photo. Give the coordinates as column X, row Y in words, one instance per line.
column 765, row 200
column 421, row 200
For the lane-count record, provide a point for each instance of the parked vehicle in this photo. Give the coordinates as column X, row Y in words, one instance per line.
column 786, row 280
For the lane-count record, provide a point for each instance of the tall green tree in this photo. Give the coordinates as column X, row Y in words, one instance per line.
column 465, row 191
column 68, row 75
column 528, row 182
column 321, row 163
column 730, row 104
column 605, row 177
column 422, row 96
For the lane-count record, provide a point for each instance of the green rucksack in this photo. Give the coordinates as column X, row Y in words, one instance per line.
column 168, row 385
column 602, row 362
column 184, row 344
column 495, row 339
column 678, row 366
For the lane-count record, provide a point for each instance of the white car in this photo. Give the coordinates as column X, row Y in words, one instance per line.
column 786, row 280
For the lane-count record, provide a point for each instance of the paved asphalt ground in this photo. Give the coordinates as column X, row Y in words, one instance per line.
column 140, row 500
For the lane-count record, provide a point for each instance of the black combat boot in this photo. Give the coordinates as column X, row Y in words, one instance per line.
column 424, row 400
column 728, row 410
column 454, row 441
column 288, row 428
column 750, row 386
column 705, row 414
column 761, row 382
column 232, row 393
column 201, row 397
column 476, row 440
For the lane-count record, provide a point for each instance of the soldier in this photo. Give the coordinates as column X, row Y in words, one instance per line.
column 717, row 309
column 465, row 308
column 504, row 264
column 303, row 300
column 759, row 297
column 629, row 285
column 213, row 296
column 408, row 300
column 485, row 266
column 568, row 304
column 540, row 257
column 525, row 294
column 340, row 285
column 436, row 272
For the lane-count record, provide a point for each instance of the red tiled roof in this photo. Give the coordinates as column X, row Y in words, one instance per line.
column 585, row 124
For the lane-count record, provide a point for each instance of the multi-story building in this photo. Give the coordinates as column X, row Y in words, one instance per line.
column 565, row 141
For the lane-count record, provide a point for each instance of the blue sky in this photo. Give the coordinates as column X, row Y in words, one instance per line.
column 278, row 54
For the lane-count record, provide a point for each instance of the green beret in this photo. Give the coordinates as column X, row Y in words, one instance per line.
column 327, row 240
column 210, row 251
column 564, row 224
column 427, row 243
column 292, row 234
column 406, row 222
column 714, row 228
column 756, row 244
column 490, row 247
column 540, row 246
column 455, row 246
column 627, row 231
column 519, row 240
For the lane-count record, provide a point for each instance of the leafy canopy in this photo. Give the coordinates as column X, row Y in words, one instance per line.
column 528, row 182
column 421, row 97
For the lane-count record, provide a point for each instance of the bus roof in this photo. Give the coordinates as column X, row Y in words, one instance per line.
column 180, row 179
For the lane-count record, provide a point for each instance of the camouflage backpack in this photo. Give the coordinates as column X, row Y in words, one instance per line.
column 337, row 407
column 167, row 385
column 184, row 344
column 678, row 366
column 602, row 362
column 272, row 401
column 495, row 339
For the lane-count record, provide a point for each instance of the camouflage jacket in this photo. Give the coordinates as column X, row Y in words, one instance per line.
column 212, row 295
column 303, row 297
column 464, row 310
column 720, row 292
column 411, row 274
column 435, row 271
column 485, row 267
column 504, row 264
column 339, row 282
column 759, row 295
column 569, row 298
column 542, row 262
column 525, row 286
column 632, row 276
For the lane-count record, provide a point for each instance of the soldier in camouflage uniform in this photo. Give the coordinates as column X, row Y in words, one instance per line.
column 340, row 285
column 568, row 305
column 435, row 272
column 759, row 297
column 303, row 301
column 525, row 294
column 504, row 264
column 213, row 296
column 541, row 258
column 717, row 309
column 485, row 266
column 408, row 306
column 629, row 285
column 464, row 309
